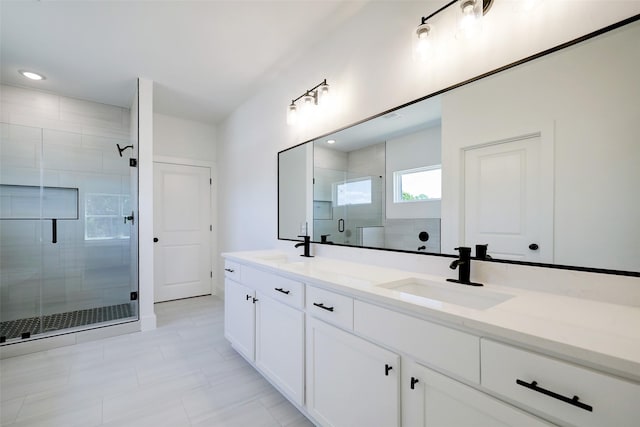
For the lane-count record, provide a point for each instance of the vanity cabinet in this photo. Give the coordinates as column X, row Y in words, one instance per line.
column 350, row 381
column 265, row 323
column 240, row 318
column 430, row 399
column 280, row 345
column 348, row 362
column 450, row 350
column 572, row 394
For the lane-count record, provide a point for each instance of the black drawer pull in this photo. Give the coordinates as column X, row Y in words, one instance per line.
column 322, row 306
column 414, row 381
column 575, row 400
column 249, row 297
column 229, row 270
column 282, row 291
column 387, row 368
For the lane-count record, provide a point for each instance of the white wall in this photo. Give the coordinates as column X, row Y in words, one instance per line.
column 145, row 202
column 368, row 62
column 181, row 138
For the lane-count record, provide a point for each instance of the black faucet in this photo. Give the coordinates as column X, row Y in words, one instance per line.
column 463, row 264
column 481, row 252
column 323, row 239
column 307, row 246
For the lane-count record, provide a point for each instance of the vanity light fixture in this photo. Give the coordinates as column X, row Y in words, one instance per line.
column 31, row 75
column 470, row 13
column 317, row 95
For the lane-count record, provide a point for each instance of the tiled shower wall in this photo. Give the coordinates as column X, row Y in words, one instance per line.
column 76, row 141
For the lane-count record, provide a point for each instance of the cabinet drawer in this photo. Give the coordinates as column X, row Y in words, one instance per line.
column 330, row 307
column 545, row 384
column 438, row 346
column 277, row 287
column 232, row 270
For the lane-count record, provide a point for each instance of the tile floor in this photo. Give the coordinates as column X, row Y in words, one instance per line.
column 182, row 374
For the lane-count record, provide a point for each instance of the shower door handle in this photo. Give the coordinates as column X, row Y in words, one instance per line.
column 129, row 218
column 341, row 225
column 54, row 230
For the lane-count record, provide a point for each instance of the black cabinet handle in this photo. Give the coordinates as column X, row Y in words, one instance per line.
column 254, row 300
column 249, row 297
column 282, row 291
column 322, row 306
column 54, row 230
column 570, row 400
column 534, row 246
column 387, row 368
column 155, row 240
column 414, row 381
column 230, row 270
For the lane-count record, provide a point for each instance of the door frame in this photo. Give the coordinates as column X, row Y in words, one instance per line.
column 544, row 130
column 213, row 218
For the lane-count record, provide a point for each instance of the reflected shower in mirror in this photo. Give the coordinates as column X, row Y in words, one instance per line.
column 538, row 161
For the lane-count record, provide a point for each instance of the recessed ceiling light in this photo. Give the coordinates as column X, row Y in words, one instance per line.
column 331, row 141
column 31, row 75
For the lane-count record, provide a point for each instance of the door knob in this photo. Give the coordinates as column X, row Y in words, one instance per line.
column 534, row 246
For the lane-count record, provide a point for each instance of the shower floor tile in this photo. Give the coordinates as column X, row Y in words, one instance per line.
column 71, row 319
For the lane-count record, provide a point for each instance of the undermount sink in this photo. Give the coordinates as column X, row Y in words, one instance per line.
column 422, row 291
column 282, row 259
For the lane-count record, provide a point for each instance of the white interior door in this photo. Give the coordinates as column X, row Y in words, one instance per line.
column 508, row 203
column 182, row 254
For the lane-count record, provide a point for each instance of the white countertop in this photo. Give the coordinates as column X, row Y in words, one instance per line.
column 601, row 335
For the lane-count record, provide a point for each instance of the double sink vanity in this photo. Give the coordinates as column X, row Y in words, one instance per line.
column 358, row 345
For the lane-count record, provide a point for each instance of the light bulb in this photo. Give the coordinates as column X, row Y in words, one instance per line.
column 470, row 18
column 324, row 94
column 292, row 114
column 422, row 42
column 308, row 104
column 308, row 100
column 306, row 109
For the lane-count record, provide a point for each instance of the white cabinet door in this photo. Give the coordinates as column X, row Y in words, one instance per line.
column 438, row 401
column 239, row 317
column 350, row 382
column 280, row 345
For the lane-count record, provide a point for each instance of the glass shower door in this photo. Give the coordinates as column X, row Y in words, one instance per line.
column 68, row 203
column 21, row 232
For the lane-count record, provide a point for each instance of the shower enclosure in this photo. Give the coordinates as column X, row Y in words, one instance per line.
column 68, row 232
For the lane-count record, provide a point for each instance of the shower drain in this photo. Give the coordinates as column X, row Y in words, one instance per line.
column 55, row 322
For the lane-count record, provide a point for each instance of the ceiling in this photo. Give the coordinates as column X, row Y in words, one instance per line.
column 205, row 57
column 411, row 118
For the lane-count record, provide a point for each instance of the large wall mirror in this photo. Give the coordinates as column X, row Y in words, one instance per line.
column 540, row 161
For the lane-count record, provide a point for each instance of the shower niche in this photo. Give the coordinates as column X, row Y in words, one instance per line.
column 68, row 246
